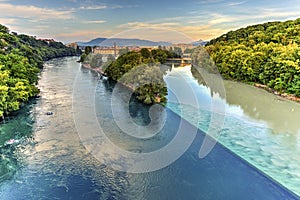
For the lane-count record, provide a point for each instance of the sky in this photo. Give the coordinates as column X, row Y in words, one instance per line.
column 158, row 20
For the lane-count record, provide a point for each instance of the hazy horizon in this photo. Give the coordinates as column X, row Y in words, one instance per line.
column 74, row 20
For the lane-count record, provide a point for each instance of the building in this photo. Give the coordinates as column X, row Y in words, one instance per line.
column 182, row 46
column 148, row 47
column 73, row 45
column 115, row 50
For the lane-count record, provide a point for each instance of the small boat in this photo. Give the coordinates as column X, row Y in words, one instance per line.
column 11, row 141
column 49, row 113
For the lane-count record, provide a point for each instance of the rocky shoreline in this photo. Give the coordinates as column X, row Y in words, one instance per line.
column 283, row 95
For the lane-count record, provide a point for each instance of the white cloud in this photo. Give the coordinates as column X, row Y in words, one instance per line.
column 106, row 6
column 148, row 25
column 93, row 22
column 33, row 12
column 236, row 3
column 220, row 19
column 99, row 7
column 209, row 1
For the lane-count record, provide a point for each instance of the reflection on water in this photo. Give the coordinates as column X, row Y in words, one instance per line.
column 260, row 127
column 50, row 162
column 281, row 115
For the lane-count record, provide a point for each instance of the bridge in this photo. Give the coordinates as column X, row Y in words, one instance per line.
column 179, row 61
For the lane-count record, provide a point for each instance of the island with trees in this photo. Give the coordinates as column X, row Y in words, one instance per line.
column 21, row 58
column 143, row 73
column 140, row 71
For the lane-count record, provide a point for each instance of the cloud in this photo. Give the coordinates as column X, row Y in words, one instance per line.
column 236, row 3
column 93, row 22
column 209, row 1
column 204, row 32
column 106, row 6
column 147, row 25
column 15, row 11
column 7, row 21
column 220, row 19
column 80, row 35
column 98, row 7
column 275, row 12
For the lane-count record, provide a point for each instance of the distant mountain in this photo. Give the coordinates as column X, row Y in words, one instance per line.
column 199, row 43
column 122, row 42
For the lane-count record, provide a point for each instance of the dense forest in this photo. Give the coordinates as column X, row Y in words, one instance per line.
column 21, row 58
column 145, row 75
column 267, row 54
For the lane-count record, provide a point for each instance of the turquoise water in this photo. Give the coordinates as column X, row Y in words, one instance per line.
column 259, row 127
column 48, row 159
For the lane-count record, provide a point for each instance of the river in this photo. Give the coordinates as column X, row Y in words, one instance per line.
column 51, row 156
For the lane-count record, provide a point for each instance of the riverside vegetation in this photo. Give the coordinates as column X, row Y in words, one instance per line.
column 141, row 72
column 266, row 54
column 21, row 58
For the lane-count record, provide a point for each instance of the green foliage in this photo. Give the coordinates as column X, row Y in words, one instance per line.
column 88, row 50
column 140, row 72
column 147, row 83
column 145, row 53
column 123, row 64
column 84, row 58
column 267, row 53
column 21, row 56
column 3, row 29
column 17, row 82
column 38, row 51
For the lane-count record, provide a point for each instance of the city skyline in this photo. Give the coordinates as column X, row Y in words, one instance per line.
column 72, row 20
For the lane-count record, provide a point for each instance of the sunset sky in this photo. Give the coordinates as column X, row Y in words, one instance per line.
column 83, row 20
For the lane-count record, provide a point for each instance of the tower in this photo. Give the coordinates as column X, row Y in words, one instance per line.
column 115, row 49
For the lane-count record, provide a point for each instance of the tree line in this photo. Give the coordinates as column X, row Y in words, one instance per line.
column 21, row 58
column 267, row 54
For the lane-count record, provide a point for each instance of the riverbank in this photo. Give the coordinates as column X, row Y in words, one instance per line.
column 130, row 87
column 283, row 95
column 55, row 164
column 97, row 69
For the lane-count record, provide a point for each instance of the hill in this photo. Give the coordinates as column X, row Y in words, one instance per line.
column 21, row 57
column 267, row 54
column 122, row 42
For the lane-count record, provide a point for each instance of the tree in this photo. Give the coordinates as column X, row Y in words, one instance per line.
column 145, row 53
column 178, row 52
column 145, row 79
column 96, row 60
column 87, row 50
column 19, row 61
column 267, row 53
column 4, row 29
